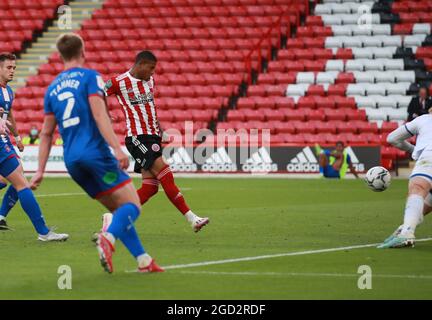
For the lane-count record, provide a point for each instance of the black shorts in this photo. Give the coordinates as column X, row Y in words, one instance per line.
column 145, row 149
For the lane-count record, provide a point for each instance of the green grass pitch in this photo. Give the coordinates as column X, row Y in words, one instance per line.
column 249, row 218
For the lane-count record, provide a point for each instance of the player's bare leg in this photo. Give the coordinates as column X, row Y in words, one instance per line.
column 3, row 181
column 31, row 207
column 161, row 170
column 338, row 162
column 124, row 203
column 323, row 160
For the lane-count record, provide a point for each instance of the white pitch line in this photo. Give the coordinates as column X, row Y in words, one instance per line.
column 278, row 255
column 78, row 194
column 303, row 274
column 59, row 195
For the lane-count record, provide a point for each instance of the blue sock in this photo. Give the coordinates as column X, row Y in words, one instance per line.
column 31, row 207
column 10, row 198
column 122, row 227
column 2, row 185
column 123, row 219
column 132, row 242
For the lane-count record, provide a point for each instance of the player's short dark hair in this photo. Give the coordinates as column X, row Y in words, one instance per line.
column 70, row 46
column 7, row 56
column 145, row 55
column 340, row 142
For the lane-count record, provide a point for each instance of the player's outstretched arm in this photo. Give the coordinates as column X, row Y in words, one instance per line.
column 103, row 121
column 46, row 138
column 4, row 126
column 14, row 130
column 353, row 170
column 397, row 138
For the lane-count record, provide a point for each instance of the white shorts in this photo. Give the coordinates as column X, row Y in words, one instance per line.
column 423, row 167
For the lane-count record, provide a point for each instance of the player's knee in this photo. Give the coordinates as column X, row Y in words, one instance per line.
column 419, row 186
column 135, row 200
column 322, row 160
column 18, row 181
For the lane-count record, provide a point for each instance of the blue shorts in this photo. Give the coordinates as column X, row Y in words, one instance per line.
column 330, row 172
column 98, row 176
column 8, row 159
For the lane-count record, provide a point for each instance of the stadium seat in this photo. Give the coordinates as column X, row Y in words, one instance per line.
column 335, row 65
column 326, row 77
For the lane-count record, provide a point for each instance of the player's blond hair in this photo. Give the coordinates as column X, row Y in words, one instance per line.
column 70, row 46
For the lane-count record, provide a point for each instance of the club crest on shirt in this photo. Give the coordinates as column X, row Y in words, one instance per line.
column 155, row 147
column 108, row 84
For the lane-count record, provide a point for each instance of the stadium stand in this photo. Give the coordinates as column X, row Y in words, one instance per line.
column 22, row 20
column 201, row 46
column 345, row 72
column 347, row 75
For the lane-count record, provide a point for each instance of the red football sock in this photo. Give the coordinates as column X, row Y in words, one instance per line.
column 173, row 193
column 149, row 188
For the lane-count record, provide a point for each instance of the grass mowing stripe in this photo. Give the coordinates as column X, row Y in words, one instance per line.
column 310, row 274
column 278, row 255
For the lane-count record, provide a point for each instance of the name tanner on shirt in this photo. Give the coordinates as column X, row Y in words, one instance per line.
column 67, row 83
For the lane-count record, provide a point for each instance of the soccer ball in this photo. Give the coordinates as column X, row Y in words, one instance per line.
column 378, row 179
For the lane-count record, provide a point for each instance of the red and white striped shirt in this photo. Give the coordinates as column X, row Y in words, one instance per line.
column 137, row 100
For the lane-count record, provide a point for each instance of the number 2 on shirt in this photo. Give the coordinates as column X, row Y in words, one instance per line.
column 67, row 120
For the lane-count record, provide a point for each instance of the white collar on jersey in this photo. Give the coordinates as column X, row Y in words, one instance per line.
column 135, row 79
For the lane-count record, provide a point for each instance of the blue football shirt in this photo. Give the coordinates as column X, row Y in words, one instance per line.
column 6, row 99
column 68, row 99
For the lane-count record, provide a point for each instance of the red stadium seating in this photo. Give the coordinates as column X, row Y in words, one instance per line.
column 201, row 48
column 202, row 45
column 21, row 19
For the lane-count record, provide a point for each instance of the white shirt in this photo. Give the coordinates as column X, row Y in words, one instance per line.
column 420, row 127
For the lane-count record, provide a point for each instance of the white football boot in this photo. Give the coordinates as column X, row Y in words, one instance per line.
column 52, row 236
column 196, row 222
column 199, row 223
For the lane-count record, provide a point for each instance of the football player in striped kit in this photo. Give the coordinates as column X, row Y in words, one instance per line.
column 134, row 90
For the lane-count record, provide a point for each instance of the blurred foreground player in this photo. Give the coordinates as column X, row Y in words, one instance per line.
column 10, row 167
column 420, row 182
column 75, row 101
column 335, row 163
column 134, row 90
column 10, row 198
